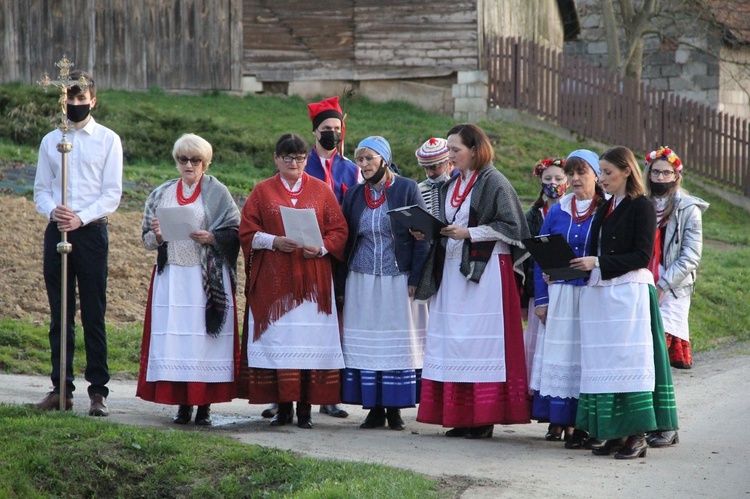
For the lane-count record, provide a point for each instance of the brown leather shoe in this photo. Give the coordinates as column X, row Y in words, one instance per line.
column 98, row 406
column 51, row 402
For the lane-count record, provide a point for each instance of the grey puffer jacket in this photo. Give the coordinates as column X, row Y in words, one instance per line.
column 683, row 245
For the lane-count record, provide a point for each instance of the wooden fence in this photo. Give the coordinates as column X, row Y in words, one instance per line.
column 606, row 107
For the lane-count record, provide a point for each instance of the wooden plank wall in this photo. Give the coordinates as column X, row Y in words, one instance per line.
column 288, row 40
column 127, row 44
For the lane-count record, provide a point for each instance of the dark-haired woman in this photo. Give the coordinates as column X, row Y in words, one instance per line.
column 626, row 382
column 291, row 345
column 556, row 373
column 677, row 254
column 474, row 372
column 384, row 327
column 553, row 181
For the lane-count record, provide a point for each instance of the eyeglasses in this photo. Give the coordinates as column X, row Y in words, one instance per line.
column 366, row 159
column 667, row 174
column 195, row 161
column 288, row 159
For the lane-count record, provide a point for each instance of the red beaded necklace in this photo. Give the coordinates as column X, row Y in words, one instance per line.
column 577, row 216
column 458, row 199
column 294, row 194
column 375, row 203
column 181, row 199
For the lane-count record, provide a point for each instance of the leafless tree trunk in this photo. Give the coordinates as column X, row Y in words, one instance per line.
column 635, row 22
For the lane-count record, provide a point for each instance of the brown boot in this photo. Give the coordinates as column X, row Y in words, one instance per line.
column 98, row 406
column 51, row 402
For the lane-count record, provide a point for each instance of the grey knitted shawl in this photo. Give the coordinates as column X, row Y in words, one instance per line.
column 495, row 204
column 223, row 222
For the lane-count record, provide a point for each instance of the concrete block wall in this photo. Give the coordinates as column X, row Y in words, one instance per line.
column 470, row 94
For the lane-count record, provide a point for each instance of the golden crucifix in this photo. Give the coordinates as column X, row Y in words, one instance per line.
column 63, row 83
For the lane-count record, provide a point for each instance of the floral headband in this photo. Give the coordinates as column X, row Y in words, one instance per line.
column 664, row 153
column 546, row 163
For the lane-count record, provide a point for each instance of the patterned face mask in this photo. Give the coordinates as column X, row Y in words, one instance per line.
column 553, row 190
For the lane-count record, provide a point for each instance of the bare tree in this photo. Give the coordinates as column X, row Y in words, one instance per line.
column 634, row 19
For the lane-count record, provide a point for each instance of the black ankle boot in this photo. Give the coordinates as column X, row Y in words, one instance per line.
column 394, row 419
column 480, row 432
column 203, row 415
column 606, row 447
column 304, row 416
column 283, row 415
column 375, row 419
column 634, row 448
column 577, row 440
column 184, row 413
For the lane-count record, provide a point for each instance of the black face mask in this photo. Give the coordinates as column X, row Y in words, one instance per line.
column 378, row 176
column 78, row 113
column 329, row 140
column 661, row 188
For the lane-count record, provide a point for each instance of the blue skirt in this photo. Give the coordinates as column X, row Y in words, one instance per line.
column 370, row 389
column 556, row 410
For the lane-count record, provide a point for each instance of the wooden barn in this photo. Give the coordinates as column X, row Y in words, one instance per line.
column 406, row 49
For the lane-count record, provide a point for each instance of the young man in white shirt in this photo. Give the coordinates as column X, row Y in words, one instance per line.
column 94, row 191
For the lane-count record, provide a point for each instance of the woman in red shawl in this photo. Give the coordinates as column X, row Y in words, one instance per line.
column 291, row 348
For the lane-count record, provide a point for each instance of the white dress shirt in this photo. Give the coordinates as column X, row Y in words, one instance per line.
column 94, row 172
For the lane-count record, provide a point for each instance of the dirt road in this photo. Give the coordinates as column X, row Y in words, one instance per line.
column 712, row 459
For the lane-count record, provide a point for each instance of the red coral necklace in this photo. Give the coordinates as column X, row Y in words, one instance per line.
column 181, row 199
column 457, row 199
column 375, row 203
column 579, row 217
column 294, row 194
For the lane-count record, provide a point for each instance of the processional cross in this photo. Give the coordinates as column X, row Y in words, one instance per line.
column 63, row 82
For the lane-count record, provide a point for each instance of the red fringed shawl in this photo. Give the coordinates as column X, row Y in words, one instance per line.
column 277, row 282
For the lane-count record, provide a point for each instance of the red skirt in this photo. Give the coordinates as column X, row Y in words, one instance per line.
column 183, row 392
column 679, row 352
column 467, row 405
column 269, row 386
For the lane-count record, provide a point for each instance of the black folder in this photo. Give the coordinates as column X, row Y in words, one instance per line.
column 417, row 218
column 553, row 254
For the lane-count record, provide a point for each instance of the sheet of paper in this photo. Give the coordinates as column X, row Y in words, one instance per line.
column 177, row 222
column 301, row 226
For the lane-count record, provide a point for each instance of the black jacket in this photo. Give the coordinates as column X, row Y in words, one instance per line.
column 627, row 236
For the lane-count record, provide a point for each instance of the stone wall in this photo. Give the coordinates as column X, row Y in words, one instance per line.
column 676, row 59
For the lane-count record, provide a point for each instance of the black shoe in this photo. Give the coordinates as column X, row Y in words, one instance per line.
column 184, row 413
column 305, row 422
column 606, row 447
column 334, row 411
column 663, row 439
column 394, row 419
column 577, row 440
column 634, row 448
column 457, row 432
column 282, row 418
column 375, row 419
column 554, row 433
column 270, row 411
column 304, row 418
column 284, row 415
column 203, row 415
column 480, row 432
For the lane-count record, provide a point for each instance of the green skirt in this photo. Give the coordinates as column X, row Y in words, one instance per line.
column 607, row 416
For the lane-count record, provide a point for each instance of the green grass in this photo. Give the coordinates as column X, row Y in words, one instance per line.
column 24, row 349
column 66, row 455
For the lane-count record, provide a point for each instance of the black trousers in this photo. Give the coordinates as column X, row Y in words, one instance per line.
column 87, row 268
